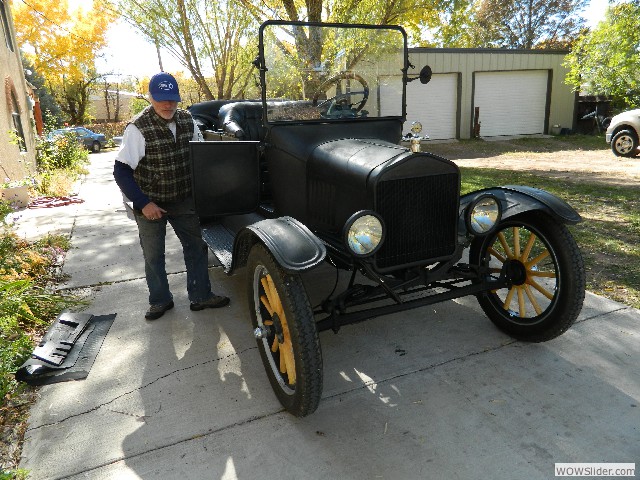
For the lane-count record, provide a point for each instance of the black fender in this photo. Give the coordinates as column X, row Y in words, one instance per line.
column 293, row 246
column 516, row 199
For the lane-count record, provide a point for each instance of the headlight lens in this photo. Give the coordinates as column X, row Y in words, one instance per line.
column 364, row 233
column 484, row 214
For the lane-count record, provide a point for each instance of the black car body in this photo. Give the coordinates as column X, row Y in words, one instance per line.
column 315, row 172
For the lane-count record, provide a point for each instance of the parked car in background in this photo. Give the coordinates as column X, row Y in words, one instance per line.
column 623, row 133
column 91, row 140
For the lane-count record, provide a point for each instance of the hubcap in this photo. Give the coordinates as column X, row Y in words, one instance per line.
column 624, row 144
column 515, row 272
column 528, row 266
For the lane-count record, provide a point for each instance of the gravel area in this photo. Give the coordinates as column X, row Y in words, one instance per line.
column 553, row 158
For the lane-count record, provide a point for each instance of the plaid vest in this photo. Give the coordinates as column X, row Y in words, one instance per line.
column 164, row 173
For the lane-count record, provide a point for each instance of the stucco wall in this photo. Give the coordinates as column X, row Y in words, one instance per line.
column 14, row 164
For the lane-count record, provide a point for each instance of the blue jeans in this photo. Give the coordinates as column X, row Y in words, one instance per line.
column 152, row 234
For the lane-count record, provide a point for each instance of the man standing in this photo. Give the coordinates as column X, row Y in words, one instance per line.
column 153, row 171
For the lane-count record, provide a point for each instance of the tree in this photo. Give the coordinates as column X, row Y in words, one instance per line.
column 527, row 23
column 63, row 48
column 211, row 39
column 411, row 14
column 606, row 60
column 307, row 47
column 453, row 24
column 51, row 112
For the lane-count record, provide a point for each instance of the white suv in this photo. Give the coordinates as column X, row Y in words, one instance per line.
column 623, row 133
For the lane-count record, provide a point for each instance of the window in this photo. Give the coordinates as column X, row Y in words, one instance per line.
column 5, row 25
column 17, row 122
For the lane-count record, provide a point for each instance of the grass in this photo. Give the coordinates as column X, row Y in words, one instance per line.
column 526, row 146
column 609, row 236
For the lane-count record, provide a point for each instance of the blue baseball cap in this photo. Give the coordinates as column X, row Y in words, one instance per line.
column 163, row 86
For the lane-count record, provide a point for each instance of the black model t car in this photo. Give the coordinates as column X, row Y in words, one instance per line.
column 315, row 172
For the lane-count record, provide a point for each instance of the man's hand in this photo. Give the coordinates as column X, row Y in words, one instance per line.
column 152, row 211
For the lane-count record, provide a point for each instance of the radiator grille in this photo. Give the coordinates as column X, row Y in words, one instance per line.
column 420, row 214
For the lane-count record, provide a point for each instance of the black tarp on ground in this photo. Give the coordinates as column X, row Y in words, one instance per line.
column 69, row 361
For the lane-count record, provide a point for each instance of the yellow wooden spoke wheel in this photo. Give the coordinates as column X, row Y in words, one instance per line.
column 286, row 333
column 543, row 268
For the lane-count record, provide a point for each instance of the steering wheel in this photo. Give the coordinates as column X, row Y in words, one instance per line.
column 339, row 104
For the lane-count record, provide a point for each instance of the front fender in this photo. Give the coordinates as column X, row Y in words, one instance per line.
column 292, row 245
column 516, row 199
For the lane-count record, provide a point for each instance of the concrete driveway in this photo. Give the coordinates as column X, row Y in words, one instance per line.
column 434, row 393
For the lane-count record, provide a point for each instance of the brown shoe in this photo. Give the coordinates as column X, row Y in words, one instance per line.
column 215, row 301
column 156, row 311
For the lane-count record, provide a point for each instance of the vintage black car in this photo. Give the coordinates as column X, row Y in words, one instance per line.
column 316, row 172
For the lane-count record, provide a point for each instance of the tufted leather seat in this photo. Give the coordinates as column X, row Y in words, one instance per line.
column 207, row 114
column 242, row 120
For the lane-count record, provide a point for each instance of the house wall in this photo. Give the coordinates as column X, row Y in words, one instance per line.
column 467, row 63
column 99, row 109
column 14, row 163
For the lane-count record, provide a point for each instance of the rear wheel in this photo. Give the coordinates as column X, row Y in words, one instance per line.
column 286, row 333
column 95, row 147
column 546, row 280
column 625, row 144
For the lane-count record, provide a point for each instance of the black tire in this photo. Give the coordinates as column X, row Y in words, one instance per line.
column 290, row 346
column 546, row 272
column 625, row 143
column 95, row 147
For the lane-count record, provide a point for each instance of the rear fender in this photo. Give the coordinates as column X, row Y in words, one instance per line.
column 292, row 245
column 516, row 199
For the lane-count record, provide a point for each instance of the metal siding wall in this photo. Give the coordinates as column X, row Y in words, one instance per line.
column 562, row 99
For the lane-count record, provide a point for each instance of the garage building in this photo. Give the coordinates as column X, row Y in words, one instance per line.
column 512, row 92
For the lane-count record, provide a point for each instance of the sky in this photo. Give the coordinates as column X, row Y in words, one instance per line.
column 129, row 54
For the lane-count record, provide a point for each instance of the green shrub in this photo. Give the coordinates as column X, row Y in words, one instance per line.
column 60, row 161
column 61, row 152
column 5, row 209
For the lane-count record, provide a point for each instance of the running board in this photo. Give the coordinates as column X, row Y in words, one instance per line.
column 220, row 242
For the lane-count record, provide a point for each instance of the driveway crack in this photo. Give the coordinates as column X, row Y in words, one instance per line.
column 141, row 387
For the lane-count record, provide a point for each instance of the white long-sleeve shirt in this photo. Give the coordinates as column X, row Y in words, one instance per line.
column 133, row 143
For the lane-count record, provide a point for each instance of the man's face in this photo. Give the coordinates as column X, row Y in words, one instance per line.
column 166, row 108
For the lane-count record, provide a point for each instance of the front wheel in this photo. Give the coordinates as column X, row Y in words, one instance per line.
column 545, row 276
column 625, row 144
column 286, row 333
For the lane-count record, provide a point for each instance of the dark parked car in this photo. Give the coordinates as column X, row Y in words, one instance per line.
column 319, row 174
column 91, row 140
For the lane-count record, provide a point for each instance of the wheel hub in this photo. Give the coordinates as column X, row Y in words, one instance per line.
column 515, row 272
column 277, row 325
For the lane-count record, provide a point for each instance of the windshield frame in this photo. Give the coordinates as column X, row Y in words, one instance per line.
column 260, row 63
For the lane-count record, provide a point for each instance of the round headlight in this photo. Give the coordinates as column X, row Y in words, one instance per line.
column 364, row 233
column 483, row 214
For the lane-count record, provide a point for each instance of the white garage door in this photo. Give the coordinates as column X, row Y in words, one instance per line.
column 511, row 103
column 434, row 105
